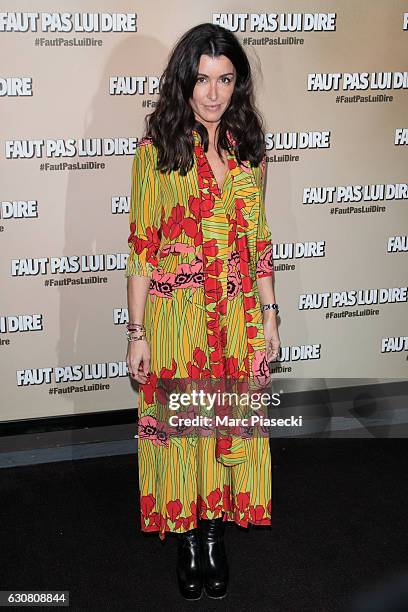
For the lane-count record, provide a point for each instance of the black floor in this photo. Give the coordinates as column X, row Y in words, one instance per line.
column 340, row 524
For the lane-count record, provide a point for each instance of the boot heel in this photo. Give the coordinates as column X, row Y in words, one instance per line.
column 189, row 572
column 214, row 558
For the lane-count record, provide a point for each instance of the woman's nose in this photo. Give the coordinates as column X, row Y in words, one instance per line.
column 212, row 92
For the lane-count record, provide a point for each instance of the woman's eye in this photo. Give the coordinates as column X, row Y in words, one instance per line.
column 224, row 80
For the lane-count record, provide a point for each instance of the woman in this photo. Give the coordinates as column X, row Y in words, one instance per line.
column 200, row 268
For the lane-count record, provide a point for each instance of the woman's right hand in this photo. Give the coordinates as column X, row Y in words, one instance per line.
column 138, row 360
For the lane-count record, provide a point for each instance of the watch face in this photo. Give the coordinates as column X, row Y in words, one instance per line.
column 270, row 307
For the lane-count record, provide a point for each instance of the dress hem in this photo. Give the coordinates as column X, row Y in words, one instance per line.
column 228, row 516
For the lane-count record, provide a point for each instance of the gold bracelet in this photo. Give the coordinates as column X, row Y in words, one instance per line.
column 129, row 336
column 138, row 326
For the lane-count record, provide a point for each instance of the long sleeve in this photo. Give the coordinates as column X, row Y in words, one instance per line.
column 264, row 248
column 144, row 214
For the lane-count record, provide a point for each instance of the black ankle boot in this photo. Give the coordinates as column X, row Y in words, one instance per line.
column 189, row 572
column 214, row 558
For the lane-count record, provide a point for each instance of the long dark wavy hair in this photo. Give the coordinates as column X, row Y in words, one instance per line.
column 170, row 125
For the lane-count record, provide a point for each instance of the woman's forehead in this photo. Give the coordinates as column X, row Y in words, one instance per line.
column 219, row 64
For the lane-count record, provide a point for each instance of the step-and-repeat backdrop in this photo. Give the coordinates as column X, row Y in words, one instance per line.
column 75, row 86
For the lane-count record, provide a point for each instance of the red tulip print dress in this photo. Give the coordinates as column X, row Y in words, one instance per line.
column 203, row 251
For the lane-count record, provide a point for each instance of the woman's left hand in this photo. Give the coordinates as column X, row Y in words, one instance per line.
column 272, row 339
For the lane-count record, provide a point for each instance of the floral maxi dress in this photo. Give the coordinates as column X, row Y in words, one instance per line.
column 203, row 251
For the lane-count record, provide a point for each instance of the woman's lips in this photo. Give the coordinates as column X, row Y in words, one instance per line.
column 213, row 107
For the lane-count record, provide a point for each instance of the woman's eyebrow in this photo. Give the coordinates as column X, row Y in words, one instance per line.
column 221, row 75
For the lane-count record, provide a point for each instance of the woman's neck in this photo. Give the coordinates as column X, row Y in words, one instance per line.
column 213, row 137
column 211, row 129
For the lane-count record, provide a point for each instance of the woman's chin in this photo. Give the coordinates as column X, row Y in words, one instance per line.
column 212, row 117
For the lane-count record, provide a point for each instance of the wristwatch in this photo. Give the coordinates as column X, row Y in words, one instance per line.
column 270, row 307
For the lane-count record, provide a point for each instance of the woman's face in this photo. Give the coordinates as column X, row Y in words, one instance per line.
column 213, row 89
